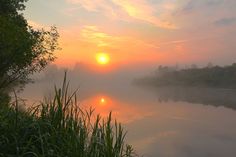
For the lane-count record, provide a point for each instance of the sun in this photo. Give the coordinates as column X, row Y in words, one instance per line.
column 102, row 58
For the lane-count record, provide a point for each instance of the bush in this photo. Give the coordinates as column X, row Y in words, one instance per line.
column 59, row 128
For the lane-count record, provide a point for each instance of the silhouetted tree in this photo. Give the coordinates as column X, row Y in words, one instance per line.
column 23, row 50
column 210, row 76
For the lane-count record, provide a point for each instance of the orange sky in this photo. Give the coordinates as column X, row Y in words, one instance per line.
column 140, row 31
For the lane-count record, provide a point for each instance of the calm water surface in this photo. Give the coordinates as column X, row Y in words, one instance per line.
column 166, row 122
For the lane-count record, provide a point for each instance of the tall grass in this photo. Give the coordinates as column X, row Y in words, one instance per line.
column 58, row 127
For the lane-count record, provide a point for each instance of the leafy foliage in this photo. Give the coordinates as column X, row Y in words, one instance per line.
column 11, row 7
column 23, row 50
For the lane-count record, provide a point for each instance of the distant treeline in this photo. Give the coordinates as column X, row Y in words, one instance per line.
column 210, row 76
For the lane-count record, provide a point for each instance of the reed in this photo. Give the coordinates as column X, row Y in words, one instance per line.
column 58, row 127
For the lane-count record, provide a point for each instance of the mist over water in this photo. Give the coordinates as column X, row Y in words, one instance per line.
column 166, row 122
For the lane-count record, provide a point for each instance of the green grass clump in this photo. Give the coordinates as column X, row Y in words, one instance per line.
column 59, row 128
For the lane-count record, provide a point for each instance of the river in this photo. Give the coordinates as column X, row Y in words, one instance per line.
column 165, row 122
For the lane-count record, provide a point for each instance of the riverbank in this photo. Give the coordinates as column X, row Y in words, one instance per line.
column 58, row 127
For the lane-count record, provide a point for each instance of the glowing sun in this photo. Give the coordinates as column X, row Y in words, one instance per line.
column 102, row 58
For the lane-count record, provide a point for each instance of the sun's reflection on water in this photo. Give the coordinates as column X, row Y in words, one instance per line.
column 122, row 111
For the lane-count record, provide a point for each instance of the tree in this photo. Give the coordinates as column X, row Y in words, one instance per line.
column 23, row 49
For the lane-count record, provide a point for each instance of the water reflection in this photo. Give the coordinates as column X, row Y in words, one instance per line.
column 166, row 122
column 173, row 121
column 207, row 96
column 122, row 111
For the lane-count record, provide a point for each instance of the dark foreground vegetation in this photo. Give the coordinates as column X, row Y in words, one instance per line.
column 24, row 50
column 59, row 128
column 210, row 76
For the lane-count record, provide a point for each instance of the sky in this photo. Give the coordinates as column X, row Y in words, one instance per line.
column 139, row 32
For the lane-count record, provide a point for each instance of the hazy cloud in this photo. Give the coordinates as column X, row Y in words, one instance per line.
column 198, row 5
column 164, row 31
column 123, row 10
column 101, row 39
column 225, row 21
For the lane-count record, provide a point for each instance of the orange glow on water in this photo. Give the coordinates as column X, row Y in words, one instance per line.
column 104, row 104
column 102, row 100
